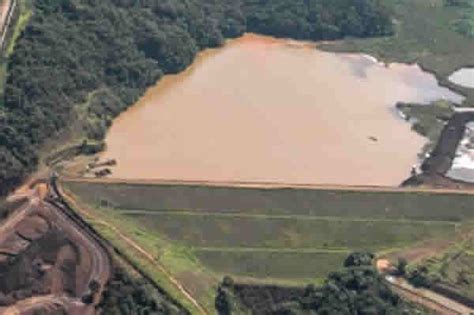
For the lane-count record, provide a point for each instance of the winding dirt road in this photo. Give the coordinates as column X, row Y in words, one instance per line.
column 139, row 249
column 100, row 267
column 100, row 261
column 7, row 8
column 50, row 303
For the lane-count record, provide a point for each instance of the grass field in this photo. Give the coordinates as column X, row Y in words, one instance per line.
column 267, row 231
column 185, row 266
column 321, row 203
column 281, row 235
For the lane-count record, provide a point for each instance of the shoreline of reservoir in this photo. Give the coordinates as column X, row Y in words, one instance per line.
column 274, row 96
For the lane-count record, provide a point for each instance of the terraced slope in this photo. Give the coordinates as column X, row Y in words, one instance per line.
column 200, row 233
column 376, row 203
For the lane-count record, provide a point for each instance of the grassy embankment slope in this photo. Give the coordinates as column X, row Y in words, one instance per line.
column 453, row 268
column 199, row 234
column 426, row 35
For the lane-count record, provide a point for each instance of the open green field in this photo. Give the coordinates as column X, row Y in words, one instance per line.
column 425, row 35
column 293, row 236
column 279, row 202
column 268, row 231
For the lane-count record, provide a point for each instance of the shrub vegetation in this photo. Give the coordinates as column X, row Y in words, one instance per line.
column 124, row 295
column 356, row 289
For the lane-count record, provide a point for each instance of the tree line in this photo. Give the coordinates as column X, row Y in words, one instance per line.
column 124, row 295
column 356, row 289
column 79, row 63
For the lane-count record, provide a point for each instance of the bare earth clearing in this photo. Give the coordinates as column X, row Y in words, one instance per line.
column 61, row 259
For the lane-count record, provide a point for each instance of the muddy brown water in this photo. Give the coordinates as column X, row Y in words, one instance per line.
column 262, row 109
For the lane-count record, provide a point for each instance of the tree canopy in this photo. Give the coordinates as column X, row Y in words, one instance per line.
column 357, row 289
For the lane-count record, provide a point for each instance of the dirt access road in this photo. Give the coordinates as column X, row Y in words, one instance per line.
column 438, row 303
column 94, row 262
column 48, row 303
column 464, row 190
column 8, row 227
column 4, row 8
column 140, row 250
column 7, row 8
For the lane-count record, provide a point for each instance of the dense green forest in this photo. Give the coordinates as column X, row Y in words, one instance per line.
column 355, row 289
column 124, row 295
column 465, row 24
column 81, row 62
